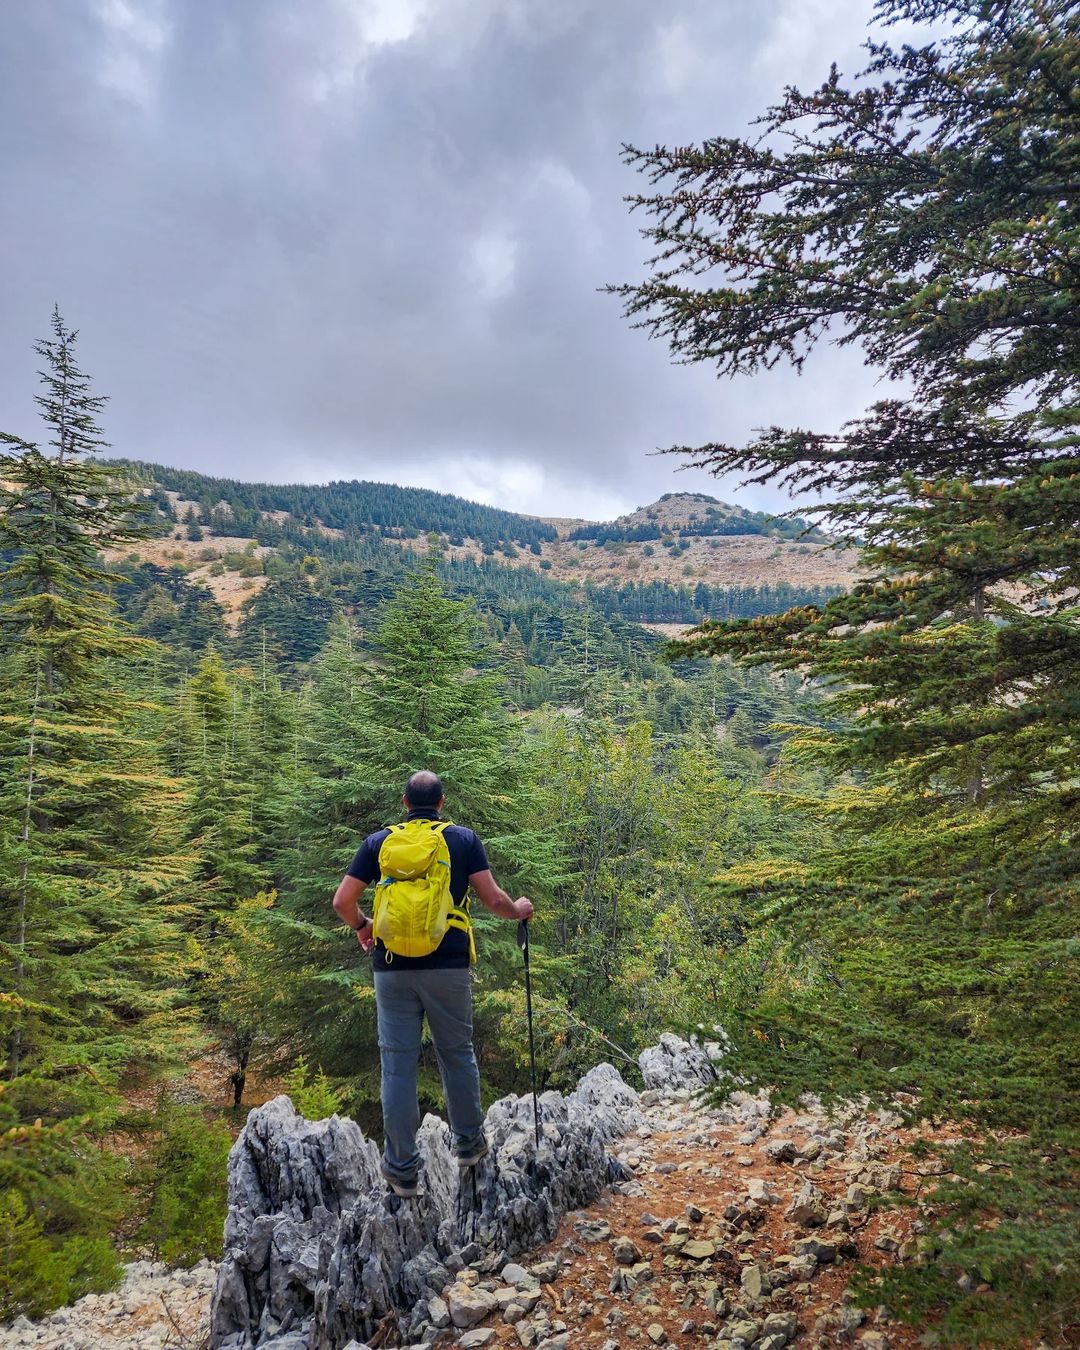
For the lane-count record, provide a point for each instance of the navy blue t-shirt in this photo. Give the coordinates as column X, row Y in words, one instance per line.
column 466, row 857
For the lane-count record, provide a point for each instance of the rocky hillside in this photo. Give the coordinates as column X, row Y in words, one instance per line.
column 220, row 533
column 692, row 538
column 642, row 1219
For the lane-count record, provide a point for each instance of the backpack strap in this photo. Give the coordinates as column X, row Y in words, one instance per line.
column 458, row 916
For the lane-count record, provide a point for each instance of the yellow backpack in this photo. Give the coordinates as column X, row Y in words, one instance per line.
column 413, row 905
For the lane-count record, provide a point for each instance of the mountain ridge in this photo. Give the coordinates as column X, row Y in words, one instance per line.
column 672, row 562
column 683, row 540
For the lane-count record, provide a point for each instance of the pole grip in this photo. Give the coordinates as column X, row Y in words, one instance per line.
column 523, row 934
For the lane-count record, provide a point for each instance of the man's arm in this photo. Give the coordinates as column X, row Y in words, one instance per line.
column 492, row 895
column 347, row 908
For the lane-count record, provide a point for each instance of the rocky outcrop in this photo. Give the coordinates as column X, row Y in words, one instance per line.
column 318, row 1253
column 679, row 1064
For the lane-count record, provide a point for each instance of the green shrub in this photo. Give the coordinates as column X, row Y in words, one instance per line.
column 93, row 1266
column 186, row 1186
column 32, row 1275
column 313, row 1095
column 38, row 1274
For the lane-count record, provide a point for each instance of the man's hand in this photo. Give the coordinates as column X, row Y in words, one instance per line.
column 365, row 935
column 524, row 907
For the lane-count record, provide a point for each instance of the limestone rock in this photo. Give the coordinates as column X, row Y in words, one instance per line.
column 676, row 1063
column 468, row 1305
column 809, row 1208
column 754, row 1281
column 318, row 1251
column 822, row 1252
column 779, row 1151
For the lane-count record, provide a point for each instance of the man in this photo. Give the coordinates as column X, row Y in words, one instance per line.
column 438, row 985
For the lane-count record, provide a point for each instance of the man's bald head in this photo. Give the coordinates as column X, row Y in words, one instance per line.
column 424, row 789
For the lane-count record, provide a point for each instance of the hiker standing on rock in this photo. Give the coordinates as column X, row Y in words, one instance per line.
column 422, row 936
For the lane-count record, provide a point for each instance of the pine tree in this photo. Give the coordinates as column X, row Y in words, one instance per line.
column 91, row 883
column 929, row 215
column 219, row 759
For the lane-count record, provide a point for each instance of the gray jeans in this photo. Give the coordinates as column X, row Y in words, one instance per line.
column 402, row 998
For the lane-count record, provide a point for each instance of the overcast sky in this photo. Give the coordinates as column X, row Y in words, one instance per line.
column 363, row 238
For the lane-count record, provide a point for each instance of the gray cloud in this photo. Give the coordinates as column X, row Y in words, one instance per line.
column 365, row 237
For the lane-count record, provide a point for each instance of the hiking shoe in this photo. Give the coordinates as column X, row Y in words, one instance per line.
column 470, row 1159
column 407, row 1190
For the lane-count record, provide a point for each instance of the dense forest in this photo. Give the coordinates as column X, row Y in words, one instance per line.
column 841, row 826
column 246, row 509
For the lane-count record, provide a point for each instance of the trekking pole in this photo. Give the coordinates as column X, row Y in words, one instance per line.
column 523, row 943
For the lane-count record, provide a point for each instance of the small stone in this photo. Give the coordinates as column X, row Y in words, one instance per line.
column 688, row 1327
column 467, row 1305
column 545, row 1271
column 745, row 1330
column 780, row 1324
column 754, row 1282
column 625, row 1251
column 656, row 1333
column 698, row 1250
column 473, row 1340
column 693, row 1213
column 438, row 1313
column 822, row 1252
column 808, row 1208
column 514, row 1274
column 779, row 1151
column 757, row 1188
column 593, row 1230
column 524, row 1298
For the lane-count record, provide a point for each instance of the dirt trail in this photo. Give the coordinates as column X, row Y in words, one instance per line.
column 689, row 1258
